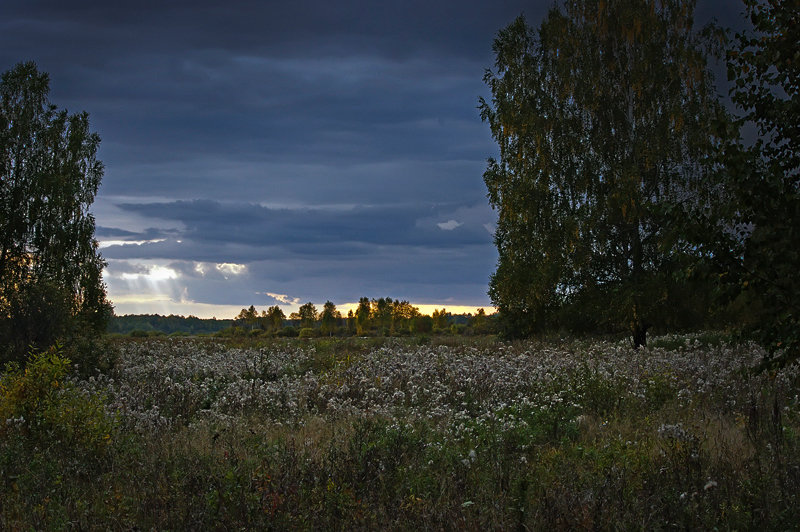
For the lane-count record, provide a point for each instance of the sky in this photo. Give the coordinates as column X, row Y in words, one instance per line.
column 263, row 153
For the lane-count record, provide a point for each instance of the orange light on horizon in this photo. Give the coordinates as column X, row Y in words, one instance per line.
column 163, row 304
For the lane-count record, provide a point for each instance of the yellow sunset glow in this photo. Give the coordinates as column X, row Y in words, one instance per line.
column 149, row 303
column 428, row 308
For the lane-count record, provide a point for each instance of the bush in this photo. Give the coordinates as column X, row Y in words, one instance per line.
column 42, row 407
column 288, row 332
column 458, row 329
column 90, row 354
column 55, row 446
column 422, row 325
column 307, row 332
column 36, row 315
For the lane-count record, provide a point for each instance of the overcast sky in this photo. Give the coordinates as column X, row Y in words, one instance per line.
column 282, row 152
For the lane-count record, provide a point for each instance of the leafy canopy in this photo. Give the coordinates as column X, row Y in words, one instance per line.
column 50, row 268
column 606, row 121
column 764, row 66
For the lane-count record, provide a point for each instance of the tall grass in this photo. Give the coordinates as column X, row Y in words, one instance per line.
column 360, row 434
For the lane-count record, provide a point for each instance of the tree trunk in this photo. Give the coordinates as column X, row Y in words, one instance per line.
column 639, row 326
column 639, row 335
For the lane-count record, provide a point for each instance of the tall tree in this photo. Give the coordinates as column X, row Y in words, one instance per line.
column 606, row 122
column 403, row 314
column 382, row 314
column 329, row 318
column 275, row 317
column 248, row 317
column 50, row 267
column 478, row 321
column 307, row 314
column 363, row 315
column 764, row 65
column 441, row 319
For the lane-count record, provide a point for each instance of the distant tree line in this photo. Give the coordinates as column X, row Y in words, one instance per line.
column 373, row 317
column 143, row 324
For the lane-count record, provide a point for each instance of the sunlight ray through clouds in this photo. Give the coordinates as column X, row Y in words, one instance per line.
column 154, row 275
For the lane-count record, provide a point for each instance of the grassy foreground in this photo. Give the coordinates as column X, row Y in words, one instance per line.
column 383, row 434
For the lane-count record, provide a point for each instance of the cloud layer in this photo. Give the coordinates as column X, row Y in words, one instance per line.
column 272, row 153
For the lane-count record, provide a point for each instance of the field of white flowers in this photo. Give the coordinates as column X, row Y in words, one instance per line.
column 161, row 383
column 449, row 434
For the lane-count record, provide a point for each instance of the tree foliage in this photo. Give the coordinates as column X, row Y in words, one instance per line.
column 441, row 319
column 329, row 318
column 764, row 66
column 607, row 121
column 307, row 314
column 50, row 267
column 166, row 324
column 274, row 318
column 248, row 317
column 363, row 315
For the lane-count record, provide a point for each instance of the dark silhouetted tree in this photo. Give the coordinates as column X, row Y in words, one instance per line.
column 363, row 315
column 329, row 318
column 308, row 315
column 382, row 314
column 441, row 319
column 275, row 317
column 605, row 119
column 764, row 65
column 248, row 318
column 403, row 314
column 50, row 267
column 478, row 322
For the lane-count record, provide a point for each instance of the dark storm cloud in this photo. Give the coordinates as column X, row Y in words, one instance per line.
column 396, row 28
column 332, row 147
column 110, row 232
column 306, row 231
column 294, row 102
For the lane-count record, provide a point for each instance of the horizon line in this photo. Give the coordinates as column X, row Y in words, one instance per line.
column 166, row 306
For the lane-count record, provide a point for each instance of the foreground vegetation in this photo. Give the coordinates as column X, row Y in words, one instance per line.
column 374, row 433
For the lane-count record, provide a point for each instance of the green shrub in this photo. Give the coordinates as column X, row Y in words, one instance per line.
column 90, row 354
column 287, row 332
column 307, row 332
column 458, row 329
column 41, row 406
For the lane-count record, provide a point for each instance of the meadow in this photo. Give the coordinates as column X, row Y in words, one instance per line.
column 434, row 434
